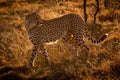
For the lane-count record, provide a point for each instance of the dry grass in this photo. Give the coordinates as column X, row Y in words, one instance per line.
column 103, row 61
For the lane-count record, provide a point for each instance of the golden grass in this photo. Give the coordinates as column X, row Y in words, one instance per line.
column 15, row 47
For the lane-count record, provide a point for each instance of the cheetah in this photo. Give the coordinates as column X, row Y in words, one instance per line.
column 42, row 31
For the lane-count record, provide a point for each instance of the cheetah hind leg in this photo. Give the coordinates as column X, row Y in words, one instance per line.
column 84, row 53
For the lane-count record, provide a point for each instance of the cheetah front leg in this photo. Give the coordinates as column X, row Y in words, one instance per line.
column 44, row 53
column 32, row 59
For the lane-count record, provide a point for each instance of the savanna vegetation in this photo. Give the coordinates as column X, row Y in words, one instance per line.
column 103, row 61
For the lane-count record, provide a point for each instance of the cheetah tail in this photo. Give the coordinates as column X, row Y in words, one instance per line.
column 102, row 38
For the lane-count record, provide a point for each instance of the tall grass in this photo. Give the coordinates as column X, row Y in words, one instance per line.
column 15, row 46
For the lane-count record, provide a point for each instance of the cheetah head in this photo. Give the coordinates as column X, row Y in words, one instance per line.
column 32, row 20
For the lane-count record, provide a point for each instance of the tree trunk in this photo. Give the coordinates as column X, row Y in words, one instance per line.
column 85, row 14
column 97, row 10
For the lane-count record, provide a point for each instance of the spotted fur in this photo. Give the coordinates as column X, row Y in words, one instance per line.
column 42, row 31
